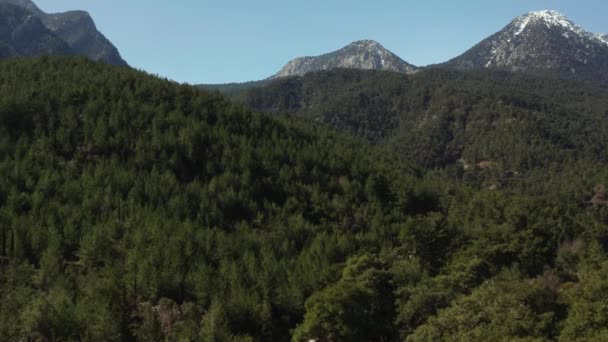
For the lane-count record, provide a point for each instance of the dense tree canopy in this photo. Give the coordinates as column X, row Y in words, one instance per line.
column 502, row 124
column 134, row 208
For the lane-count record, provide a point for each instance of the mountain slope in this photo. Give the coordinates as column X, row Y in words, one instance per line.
column 144, row 193
column 230, row 89
column 78, row 30
column 364, row 55
column 133, row 208
column 441, row 118
column 540, row 41
column 23, row 34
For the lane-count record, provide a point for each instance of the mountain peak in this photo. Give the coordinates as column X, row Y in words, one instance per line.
column 540, row 41
column 366, row 43
column 549, row 18
column 22, row 33
column 361, row 54
column 549, row 15
column 77, row 29
column 554, row 20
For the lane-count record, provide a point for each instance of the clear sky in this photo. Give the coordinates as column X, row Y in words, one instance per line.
column 219, row 41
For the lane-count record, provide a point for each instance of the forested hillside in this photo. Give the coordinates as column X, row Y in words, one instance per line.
column 134, row 208
column 484, row 125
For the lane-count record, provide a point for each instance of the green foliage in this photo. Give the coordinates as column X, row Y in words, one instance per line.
column 134, row 208
column 489, row 125
column 358, row 307
column 505, row 308
column 586, row 299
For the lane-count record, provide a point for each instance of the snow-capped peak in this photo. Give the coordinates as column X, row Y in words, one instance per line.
column 552, row 19
column 549, row 18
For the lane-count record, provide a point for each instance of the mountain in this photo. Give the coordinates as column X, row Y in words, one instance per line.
column 364, row 55
column 541, row 41
column 24, row 34
column 77, row 29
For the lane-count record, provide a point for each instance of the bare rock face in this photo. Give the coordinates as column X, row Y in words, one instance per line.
column 364, row 54
column 25, row 4
column 23, row 34
column 541, row 41
column 77, row 29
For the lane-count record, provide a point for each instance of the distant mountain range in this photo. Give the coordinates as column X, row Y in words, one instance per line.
column 537, row 41
column 544, row 41
column 25, row 30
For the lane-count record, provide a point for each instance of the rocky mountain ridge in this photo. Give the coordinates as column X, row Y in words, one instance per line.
column 24, row 34
column 76, row 28
column 540, row 41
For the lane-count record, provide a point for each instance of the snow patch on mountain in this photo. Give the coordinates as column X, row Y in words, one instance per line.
column 552, row 19
column 541, row 41
column 602, row 37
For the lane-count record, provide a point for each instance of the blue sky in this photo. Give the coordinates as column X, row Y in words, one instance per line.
column 204, row 41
